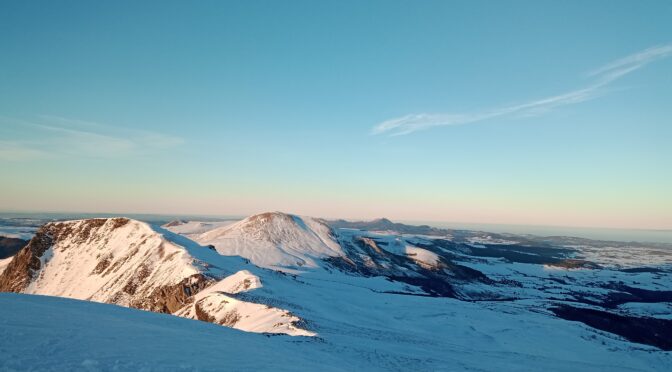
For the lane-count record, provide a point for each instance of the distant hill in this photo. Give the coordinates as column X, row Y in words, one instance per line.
column 10, row 246
column 383, row 224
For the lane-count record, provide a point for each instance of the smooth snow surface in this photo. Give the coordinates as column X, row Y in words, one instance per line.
column 360, row 329
column 42, row 333
column 191, row 228
column 275, row 240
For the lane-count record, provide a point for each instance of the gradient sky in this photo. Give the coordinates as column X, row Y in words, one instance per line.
column 518, row 112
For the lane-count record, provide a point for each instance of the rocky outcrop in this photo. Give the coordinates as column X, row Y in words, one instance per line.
column 369, row 256
column 20, row 271
column 169, row 299
column 29, row 260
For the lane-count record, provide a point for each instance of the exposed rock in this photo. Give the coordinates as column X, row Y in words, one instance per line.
column 21, row 269
column 169, row 299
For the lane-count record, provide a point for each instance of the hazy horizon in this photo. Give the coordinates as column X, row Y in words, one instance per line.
column 591, row 232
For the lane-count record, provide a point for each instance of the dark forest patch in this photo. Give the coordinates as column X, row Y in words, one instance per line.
column 643, row 330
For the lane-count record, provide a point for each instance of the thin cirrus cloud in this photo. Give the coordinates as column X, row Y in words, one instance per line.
column 601, row 78
column 52, row 136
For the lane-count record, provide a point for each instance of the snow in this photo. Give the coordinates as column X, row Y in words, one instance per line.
column 72, row 268
column 275, row 240
column 218, row 303
column 146, row 258
column 360, row 329
column 625, row 257
column 190, row 228
column 242, row 281
column 42, row 333
column 246, row 316
column 401, row 247
column 658, row 310
column 422, row 255
column 4, row 262
column 356, row 323
column 480, row 240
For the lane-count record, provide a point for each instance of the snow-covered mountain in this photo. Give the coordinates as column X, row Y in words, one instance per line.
column 378, row 300
column 275, row 240
column 130, row 263
column 296, row 244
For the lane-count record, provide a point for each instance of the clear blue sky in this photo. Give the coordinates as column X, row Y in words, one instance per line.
column 532, row 112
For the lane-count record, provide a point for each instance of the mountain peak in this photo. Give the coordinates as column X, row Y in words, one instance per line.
column 275, row 240
column 383, row 220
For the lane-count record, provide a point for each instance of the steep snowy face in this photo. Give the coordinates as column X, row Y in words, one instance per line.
column 133, row 264
column 219, row 304
column 113, row 260
column 275, row 240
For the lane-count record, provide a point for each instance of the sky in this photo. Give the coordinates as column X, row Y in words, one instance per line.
column 517, row 112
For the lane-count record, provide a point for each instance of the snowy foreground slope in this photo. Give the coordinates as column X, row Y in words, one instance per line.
column 55, row 334
column 369, row 299
column 371, row 332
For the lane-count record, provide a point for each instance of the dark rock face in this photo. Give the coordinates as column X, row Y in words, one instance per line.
column 175, row 223
column 169, row 299
column 649, row 331
column 27, row 262
column 364, row 256
column 10, row 246
column 229, row 320
column 19, row 273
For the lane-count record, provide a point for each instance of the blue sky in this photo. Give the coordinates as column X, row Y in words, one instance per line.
column 530, row 112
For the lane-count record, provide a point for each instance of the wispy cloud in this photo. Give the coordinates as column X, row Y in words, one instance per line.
column 601, row 78
column 52, row 136
column 18, row 150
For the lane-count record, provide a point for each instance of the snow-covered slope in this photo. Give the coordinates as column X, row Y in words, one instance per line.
column 275, row 240
column 361, row 331
column 3, row 263
column 379, row 301
column 130, row 263
column 194, row 228
column 217, row 305
column 115, row 260
column 42, row 333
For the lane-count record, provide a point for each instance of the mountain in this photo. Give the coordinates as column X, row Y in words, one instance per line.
column 275, row 240
column 10, row 246
column 383, row 224
column 373, row 300
column 133, row 264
